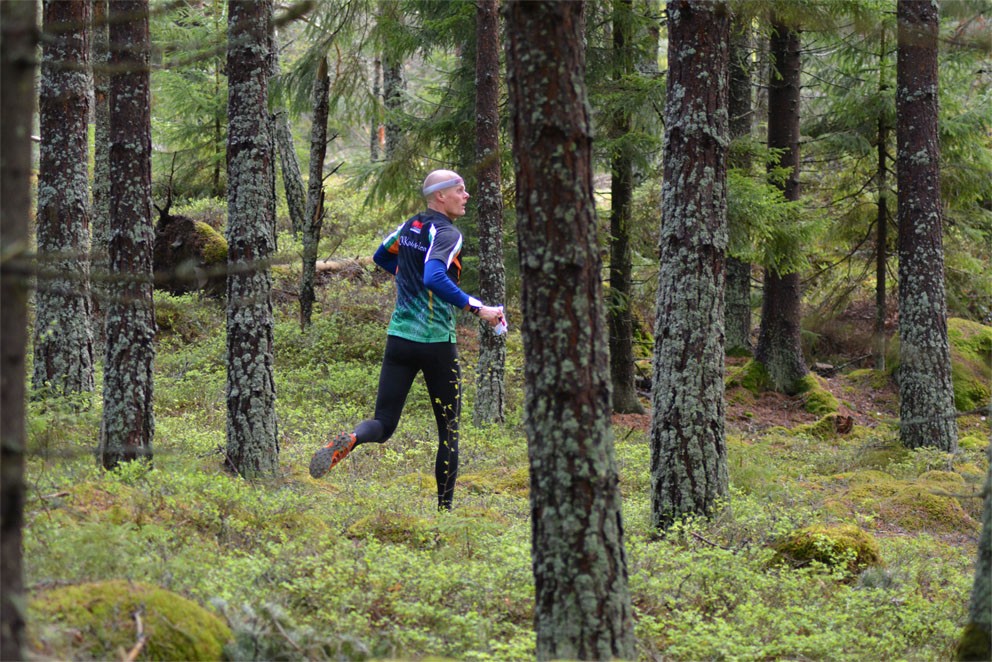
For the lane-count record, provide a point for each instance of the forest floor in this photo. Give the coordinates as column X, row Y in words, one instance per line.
column 835, row 544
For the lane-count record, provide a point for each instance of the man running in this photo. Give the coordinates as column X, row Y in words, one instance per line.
column 423, row 255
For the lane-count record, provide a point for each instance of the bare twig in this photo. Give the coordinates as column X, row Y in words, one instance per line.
column 140, row 643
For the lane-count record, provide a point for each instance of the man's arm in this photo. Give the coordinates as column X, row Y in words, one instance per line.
column 386, row 259
column 437, row 281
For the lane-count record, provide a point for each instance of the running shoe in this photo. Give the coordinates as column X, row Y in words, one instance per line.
column 325, row 458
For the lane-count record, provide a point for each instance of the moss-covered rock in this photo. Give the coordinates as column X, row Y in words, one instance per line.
column 396, row 528
column 100, row 621
column 926, row 507
column 829, row 426
column 817, row 400
column 188, row 255
column 833, row 545
column 504, row 480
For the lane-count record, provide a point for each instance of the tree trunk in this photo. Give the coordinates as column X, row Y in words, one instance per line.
column 100, row 207
column 582, row 607
column 392, row 83
column 689, row 473
column 779, row 340
column 490, row 396
column 738, row 290
column 128, row 422
column 376, row 123
column 881, row 242
column 313, row 217
column 63, row 343
column 620, row 317
column 292, row 178
column 925, row 391
column 252, row 441
column 976, row 641
column 17, row 94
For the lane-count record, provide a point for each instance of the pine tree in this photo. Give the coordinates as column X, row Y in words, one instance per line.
column 582, row 606
column 621, row 323
column 313, row 217
column 63, row 342
column 128, row 422
column 779, row 347
column 100, row 204
column 252, row 441
column 926, row 396
column 490, row 397
column 689, row 473
column 976, row 640
column 17, row 75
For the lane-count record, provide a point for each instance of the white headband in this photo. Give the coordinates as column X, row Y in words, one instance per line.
column 441, row 185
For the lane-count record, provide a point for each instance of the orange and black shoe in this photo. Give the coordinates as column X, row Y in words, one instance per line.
column 325, row 458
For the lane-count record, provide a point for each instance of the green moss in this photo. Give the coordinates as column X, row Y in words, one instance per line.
column 498, row 481
column 845, row 544
column 97, row 621
column 876, row 379
column 973, row 442
column 825, row 428
column 397, row 528
column 920, row 508
column 817, row 399
column 214, row 244
column 948, row 478
column 752, row 376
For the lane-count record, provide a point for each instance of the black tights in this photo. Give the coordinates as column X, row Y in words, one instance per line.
column 401, row 362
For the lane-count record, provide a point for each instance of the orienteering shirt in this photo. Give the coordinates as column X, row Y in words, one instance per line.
column 419, row 314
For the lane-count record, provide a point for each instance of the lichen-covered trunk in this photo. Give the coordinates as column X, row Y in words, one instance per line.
column 779, row 342
column 926, row 396
column 63, row 342
column 100, row 204
column 392, row 99
column 313, row 217
column 375, row 123
column 17, row 94
column 252, row 441
column 128, row 424
column 490, row 396
column 582, row 606
column 620, row 316
column 976, row 641
column 737, row 311
column 689, row 472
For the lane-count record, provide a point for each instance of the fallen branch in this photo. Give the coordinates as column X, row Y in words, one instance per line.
column 334, row 266
column 142, row 639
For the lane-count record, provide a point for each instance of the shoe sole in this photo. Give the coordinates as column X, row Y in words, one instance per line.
column 325, row 458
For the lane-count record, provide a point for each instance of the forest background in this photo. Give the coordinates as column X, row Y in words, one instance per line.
column 838, row 542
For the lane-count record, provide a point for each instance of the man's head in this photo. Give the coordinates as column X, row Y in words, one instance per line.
column 445, row 192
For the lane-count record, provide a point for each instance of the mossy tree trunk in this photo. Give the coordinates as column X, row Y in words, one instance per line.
column 737, row 315
column 375, row 123
column 779, row 340
column 128, row 422
column 926, row 396
column 882, row 216
column 392, row 81
column 490, row 397
column 689, row 472
column 100, row 205
column 582, row 606
column 976, row 642
column 17, row 94
column 252, row 441
column 620, row 316
column 63, row 342
column 313, row 217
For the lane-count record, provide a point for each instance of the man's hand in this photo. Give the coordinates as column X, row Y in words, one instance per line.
column 491, row 314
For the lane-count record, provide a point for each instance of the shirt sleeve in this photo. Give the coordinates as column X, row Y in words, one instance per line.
column 437, row 281
column 386, row 259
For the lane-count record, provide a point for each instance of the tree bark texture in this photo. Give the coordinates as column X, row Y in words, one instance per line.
column 737, row 313
column 620, row 316
column 17, row 95
column 292, row 178
column 313, row 217
column 128, row 422
column 779, row 340
column 376, row 113
column 926, row 396
column 582, row 608
column 100, row 205
column 490, row 395
column 689, row 473
column 881, row 244
column 976, row 642
column 63, row 342
column 252, row 442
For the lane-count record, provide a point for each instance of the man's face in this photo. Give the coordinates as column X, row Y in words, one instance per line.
column 453, row 201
